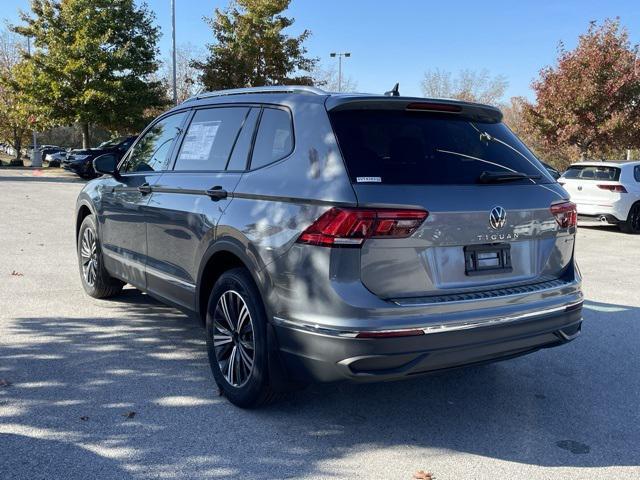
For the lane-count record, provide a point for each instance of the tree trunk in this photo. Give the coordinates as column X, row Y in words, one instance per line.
column 17, row 142
column 85, row 134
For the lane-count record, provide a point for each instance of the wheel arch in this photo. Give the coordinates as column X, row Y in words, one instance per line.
column 219, row 258
column 83, row 211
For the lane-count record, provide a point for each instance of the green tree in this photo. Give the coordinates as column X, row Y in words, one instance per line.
column 92, row 62
column 251, row 49
column 590, row 100
column 17, row 117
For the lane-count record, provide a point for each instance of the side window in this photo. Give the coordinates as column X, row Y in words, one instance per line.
column 240, row 154
column 210, row 138
column 636, row 172
column 153, row 150
column 274, row 139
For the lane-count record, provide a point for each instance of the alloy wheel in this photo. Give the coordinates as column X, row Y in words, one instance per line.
column 233, row 339
column 89, row 256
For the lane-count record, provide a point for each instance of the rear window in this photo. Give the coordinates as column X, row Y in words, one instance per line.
column 591, row 172
column 398, row 147
column 210, row 139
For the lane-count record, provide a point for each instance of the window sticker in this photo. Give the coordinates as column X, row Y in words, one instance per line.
column 369, row 179
column 199, row 140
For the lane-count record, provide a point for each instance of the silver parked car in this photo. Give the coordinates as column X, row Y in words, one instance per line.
column 325, row 237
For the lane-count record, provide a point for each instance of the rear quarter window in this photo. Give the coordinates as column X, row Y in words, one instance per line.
column 399, row 147
column 274, row 139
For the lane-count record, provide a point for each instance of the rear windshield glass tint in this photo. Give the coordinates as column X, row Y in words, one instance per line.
column 591, row 172
column 398, row 147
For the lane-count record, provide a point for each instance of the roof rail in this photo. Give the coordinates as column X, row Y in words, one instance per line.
column 271, row 89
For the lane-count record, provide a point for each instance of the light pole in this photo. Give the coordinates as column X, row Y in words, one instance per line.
column 173, row 40
column 635, row 76
column 340, row 55
column 36, row 158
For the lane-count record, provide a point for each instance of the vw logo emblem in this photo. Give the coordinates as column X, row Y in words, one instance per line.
column 497, row 218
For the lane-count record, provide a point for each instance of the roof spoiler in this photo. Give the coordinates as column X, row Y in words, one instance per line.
column 472, row 111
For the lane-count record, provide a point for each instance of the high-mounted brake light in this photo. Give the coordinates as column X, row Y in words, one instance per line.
column 350, row 227
column 613, row 188
column 566, row 214
column 434, row 107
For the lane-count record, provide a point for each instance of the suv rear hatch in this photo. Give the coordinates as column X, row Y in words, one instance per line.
column 488, row 199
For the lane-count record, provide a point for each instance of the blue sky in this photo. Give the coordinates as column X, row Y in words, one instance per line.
column 398, row 40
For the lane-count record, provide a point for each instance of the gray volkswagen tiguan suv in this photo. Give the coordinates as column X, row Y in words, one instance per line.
column 323, row 237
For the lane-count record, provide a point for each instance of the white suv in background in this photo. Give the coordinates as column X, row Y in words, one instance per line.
column 608, row 192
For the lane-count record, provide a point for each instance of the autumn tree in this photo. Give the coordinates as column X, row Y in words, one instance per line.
column 91, row 63
column 468, row 85
column 251, row 49
column 514, row 117
column 590, row 99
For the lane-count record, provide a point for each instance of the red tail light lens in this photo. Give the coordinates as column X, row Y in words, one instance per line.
column 566, row 214
column 613, row 188
column 350, row 227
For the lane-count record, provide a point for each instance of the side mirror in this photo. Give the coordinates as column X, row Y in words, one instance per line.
column 106, row 164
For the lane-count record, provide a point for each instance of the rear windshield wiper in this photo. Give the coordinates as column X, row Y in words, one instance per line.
column 500, row 177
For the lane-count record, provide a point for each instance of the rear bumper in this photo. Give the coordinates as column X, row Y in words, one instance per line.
column 613, row 213
column 337, row 355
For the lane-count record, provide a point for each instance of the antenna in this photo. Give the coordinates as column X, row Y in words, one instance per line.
column 394, row 92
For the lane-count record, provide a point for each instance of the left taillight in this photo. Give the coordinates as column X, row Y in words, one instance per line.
column 566, row 214
column 350, row 227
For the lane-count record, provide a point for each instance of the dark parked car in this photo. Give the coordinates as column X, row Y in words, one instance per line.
column 326, row 237
column 81, row 161
column 554, row 172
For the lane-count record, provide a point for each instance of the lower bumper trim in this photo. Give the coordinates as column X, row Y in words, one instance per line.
column 446, row 327
column 312, row 356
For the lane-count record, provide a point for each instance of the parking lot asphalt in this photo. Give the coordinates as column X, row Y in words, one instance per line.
column 121, row 389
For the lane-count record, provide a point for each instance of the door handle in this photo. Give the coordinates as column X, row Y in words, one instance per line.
column 144, row 188
column 217, row 193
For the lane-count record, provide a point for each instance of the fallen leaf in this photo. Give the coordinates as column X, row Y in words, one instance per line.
column 84, row 418
column 422, row 475
column 129, row 414
column 4, row 383
column 16, row 274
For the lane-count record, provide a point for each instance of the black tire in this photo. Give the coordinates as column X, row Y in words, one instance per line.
column 632, row 225
column 96, row 281
column 251, row 387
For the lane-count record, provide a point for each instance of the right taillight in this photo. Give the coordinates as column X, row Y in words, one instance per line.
column 612, row 188
column 566, row 214
column 350, row 227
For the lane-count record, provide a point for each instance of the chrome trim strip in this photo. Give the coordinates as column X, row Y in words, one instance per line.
column 167, row 277
column 446, row 327
column 130, row 262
